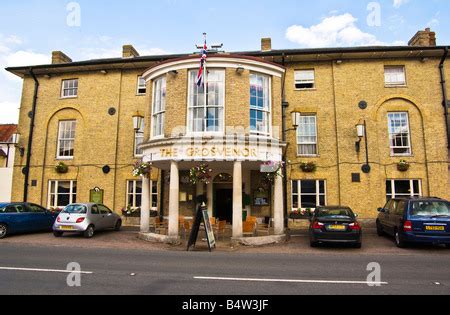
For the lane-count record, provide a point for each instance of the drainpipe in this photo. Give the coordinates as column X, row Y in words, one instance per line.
column 26, row 170
column 284, row 107
column 444, row 94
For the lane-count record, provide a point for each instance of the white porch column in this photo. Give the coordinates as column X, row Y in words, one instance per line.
column 237, row 200
column 210, row 196
column 278, row 206
column 146, row 201
column 174, row 200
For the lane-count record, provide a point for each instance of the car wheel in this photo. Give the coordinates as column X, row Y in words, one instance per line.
column 57, row 234
column 118, row 226
column 3, row 231
column 313, row 244
column 89, row 233
column 380, row 231
column 398, row 240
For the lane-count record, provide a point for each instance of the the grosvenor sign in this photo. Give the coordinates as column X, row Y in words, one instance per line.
column 215, row 152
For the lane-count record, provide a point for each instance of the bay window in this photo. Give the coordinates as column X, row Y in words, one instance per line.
column 206, row 114
column 260, row 104
column 159, row 107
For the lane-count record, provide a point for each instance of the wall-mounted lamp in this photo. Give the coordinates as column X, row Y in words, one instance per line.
column 240, row 70
column 138, row 121
column 15, row 138
column 361, row 130
column 173, row 72
column 296, row 119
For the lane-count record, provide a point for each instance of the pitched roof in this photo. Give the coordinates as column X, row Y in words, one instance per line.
column 6, row 132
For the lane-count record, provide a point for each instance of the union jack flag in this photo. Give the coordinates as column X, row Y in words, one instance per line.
column 201, row 71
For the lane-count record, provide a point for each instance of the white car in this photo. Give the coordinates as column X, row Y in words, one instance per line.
column 86, row 219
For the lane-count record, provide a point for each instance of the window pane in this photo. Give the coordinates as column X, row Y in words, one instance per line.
column 309, row 201
column 308, row 186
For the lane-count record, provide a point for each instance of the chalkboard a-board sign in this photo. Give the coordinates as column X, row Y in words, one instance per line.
column 202, row 215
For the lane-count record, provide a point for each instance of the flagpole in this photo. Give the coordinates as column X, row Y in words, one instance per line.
column 205, row 89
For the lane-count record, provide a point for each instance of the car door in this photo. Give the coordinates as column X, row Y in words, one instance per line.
column 42, row 220
column 13, row 219
column 106, row 217
column 384, row 216
column 389, row 225
column 95, row 217
column 23, row 218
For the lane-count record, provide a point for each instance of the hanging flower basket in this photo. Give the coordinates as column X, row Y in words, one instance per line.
column 309, row 167
column 403, row 166
column 200, row 174
column 61, row 168
column 142, row 169
column 272, row 170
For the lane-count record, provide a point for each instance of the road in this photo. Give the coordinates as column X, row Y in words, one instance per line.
column 31, row 269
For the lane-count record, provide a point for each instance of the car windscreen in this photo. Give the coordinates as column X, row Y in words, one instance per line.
column 75, row 209
column 324, row 213
column 430, row 209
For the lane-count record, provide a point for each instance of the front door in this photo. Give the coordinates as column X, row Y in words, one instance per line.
column 224, row 205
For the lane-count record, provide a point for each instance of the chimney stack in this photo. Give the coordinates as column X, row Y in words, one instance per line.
column 425, row 38
column 266, row 44
column 129, row 52
column 58, row 57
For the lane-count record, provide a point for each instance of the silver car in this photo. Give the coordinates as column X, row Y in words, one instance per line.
column 86, row 219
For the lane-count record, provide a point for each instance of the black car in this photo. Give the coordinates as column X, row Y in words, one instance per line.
column 416, row 220
column 335, row 225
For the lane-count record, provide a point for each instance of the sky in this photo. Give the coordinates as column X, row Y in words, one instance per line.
column 88, row 29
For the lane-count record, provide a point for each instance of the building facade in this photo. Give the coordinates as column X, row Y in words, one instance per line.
column 7, row 154
column 354, row 126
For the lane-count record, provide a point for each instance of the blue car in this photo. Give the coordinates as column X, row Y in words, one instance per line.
column 16, row 218
column 416, row 220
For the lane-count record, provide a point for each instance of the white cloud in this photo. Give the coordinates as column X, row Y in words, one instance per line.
column 332, row 31
column 9, row 112
column 10, row 86
column 399, row 3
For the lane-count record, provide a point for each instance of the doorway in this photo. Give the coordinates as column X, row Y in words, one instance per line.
column 224, row 205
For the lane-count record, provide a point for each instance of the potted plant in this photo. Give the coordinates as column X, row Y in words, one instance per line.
column 308, row 167
column 143, row 169
column 200, row 174
column 403, row 166
column 62, row 168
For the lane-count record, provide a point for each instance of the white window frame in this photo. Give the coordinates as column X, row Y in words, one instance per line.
column 55, row 192
column 134, row 194
column 268, row 111
column 298, row 80
column 140, row 87
column 139, row 139
column 392, row 147
column 388, row 77
column 315, row 143
column 60, row 139
column 73, row 88
column 300, row 194
column 159, row 100
column 191, row 108
column 411, row 184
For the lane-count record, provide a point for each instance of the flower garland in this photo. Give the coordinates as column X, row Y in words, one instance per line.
column 200, row 174
column 142, row 169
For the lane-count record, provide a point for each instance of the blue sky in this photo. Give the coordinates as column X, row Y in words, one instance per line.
column 31, row 29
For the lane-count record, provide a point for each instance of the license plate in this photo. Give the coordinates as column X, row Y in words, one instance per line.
column 66, row 228
column 435, row 228
column 337, row 227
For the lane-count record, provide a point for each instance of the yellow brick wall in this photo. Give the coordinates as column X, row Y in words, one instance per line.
column 335, row 99
column 108, row 140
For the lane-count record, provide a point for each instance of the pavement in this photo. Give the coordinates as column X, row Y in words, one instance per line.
column 37, row 264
